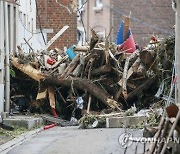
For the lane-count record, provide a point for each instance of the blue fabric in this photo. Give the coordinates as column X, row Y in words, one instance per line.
column 70, row 52
column 119, row 37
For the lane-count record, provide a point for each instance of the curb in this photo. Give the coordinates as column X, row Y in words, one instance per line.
column 4, row 148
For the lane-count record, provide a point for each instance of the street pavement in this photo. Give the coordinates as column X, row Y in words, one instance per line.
column 71, row 140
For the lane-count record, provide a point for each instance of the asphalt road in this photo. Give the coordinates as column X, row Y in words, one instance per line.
column 71, row 140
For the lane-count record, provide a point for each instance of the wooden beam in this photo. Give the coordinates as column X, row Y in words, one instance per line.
column 51, row 97
column 126, row 27
column 28, row 69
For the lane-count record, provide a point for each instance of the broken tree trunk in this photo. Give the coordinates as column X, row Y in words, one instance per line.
column 71, row 66
column 51, row 97
column 89, row 77
column 127, row 74
column 147, row 57
column 94, row 39
column 28, row 69
column 106, row 50
column 141, row 69
column 102, row 70
column 126, row 66
column 84, row 84
column 144, row 86
column 81, row 48
column 42, row 91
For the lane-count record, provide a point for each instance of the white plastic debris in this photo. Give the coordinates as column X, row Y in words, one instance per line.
column 95, row 124
column 73, row 119
column 0, row 119
column 79, row 102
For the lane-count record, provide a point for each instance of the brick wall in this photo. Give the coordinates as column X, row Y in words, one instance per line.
column 147, row 17
column 53, row 16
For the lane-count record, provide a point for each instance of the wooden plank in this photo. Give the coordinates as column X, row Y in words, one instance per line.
column 55, row 37
column 81, row 48
column 51, row 97
column 126, row 27
column 41, row 95
column 28, row 69
column 71, row 66
column 42, row 91
column 127, row 75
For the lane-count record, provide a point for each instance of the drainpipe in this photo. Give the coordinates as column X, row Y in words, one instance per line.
column 177, row 44
column 1, row 56
column 88, row 32
column 7, row 72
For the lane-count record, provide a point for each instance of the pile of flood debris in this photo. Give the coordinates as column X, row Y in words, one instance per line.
column 98, row 78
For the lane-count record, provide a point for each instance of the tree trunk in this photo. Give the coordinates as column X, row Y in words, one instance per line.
column 71, row 67
column 102, row 70
column 84, row 84
column 147, row 57
column 28, row 69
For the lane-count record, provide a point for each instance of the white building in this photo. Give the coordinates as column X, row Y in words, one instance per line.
column 17, row 21
column 26, row 18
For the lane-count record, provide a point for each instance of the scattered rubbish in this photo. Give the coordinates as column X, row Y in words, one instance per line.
column 102, row 78
column 95, row 123
column 79, row 102
column 92, row 121
column 58, row 121
column 164, row 132
column 49, row 126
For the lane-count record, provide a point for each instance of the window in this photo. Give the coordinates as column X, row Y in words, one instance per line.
column 99, row 3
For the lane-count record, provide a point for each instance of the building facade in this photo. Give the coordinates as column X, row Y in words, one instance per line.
column 148, row 17
column 8, row 39
column 18, row 22
column 53, row 16
column 26, row 22
column 93, row 15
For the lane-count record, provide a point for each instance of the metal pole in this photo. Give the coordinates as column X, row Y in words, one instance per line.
column 177, row 45
column 7, row 72
column 176, row 7
column 1, row 56
column 11, row 28
column 87, row 26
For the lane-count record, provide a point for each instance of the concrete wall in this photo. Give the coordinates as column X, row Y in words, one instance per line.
column 147, row 17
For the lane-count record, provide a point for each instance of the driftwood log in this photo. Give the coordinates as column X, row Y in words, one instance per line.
column 144, row 86
column 84, row 84
column 147, row 56
column 71, row 66
column 78, row 83
column 102, row 70
column 28, row 69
